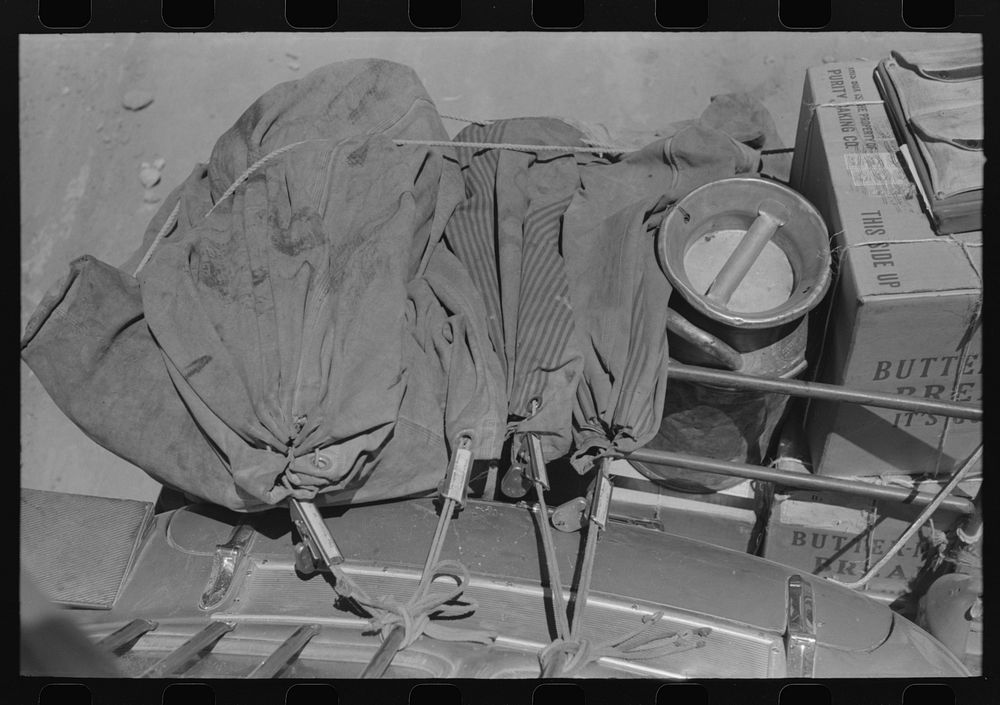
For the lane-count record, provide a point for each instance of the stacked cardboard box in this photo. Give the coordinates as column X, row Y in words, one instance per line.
column 903, row 316
column 840, row 536
column 904, row 307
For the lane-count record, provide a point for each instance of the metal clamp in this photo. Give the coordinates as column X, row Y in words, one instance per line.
column 316, row 538
column 601, row 500
column 537, row 472
column 455, row 484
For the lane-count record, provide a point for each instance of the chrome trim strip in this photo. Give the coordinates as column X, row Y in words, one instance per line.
column 287, row 652
column 190, row 651
column 121, row 640
column 721, row 629
column 250, row 618
column 620, row 605
column 800, row 640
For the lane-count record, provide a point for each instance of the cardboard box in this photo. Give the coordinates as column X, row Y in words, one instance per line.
column 904, row 305
column 841, row 536
column 728, row 518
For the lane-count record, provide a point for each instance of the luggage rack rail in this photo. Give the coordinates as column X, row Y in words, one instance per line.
column 969, row 509
column 181, row 659
column 822, row 391
column 810, row 390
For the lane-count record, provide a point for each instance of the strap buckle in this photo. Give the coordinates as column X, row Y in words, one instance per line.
column 455, row 484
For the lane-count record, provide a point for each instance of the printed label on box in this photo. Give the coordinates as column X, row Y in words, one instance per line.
column 847, row 554
column 822, row 516
column 875, row 171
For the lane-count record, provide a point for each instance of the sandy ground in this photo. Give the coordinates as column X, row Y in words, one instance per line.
column 81, row 150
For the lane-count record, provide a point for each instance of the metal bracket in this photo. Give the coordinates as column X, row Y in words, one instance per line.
column 601, row 500
column 305, row 561
column 515, row 483
column 121, row 640
column 800, row 638
column 317, row 541
column 228, row 559
column 569, row 516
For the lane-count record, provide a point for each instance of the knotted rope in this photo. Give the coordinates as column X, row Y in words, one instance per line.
column 569, row 652
column 632, row 647
column 417, row 614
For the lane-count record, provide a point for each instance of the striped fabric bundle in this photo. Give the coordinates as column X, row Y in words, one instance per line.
column 561, row 247
column 507, row 233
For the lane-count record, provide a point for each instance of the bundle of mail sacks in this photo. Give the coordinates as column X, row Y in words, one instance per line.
column 325, row 308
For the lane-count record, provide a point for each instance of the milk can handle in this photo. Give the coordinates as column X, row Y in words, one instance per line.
column 715, row 348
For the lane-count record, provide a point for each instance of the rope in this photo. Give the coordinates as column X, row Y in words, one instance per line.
column 253, row 168
column 257, row 165
column 917, row 523
column 580, row 652
column 516, row 147
column 591, row 143
column 552, row 568
column 270, row 156
column 167, row 227
column 938, row 544
column 837, row 104
column 416, row 614
column 586, row 574
column 592, row 148
column 457, row 118
column 567, row 654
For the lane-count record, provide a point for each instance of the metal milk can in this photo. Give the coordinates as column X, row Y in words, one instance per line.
column 748, row 259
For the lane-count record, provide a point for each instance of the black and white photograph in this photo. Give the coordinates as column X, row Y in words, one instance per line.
column 501, row 355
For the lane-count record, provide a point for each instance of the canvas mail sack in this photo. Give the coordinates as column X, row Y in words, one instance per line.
column 320, row 312
column 309, row 336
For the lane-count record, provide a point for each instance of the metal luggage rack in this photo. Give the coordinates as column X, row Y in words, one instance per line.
column 120, row 642
column 969, row 509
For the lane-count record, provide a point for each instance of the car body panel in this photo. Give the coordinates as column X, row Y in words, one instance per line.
column 638, row 571
column 500, row 540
